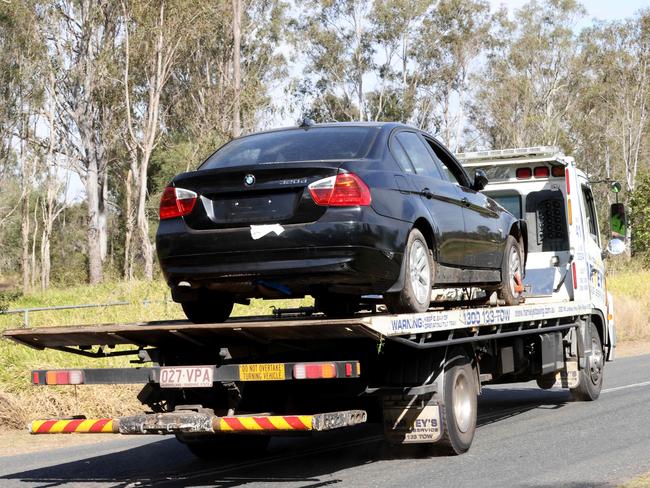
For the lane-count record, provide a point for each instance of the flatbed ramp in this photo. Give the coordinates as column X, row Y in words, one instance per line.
column 528, row 317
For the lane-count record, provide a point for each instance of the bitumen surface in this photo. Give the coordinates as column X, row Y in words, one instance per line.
column 526, row 437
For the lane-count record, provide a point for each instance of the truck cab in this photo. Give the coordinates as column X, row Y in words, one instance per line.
column 543, row 187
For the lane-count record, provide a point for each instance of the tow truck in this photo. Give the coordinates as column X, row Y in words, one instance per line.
column 234, row 385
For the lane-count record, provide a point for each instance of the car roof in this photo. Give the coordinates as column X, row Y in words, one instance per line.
column 378, row 125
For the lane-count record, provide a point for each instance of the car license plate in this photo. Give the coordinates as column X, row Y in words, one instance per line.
column 261, row 372
column 186, row 376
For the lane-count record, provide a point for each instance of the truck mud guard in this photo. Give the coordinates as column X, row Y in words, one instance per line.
column 189, row 422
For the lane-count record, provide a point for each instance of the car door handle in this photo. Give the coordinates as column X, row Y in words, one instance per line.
column 465, row 202
column 426, row 193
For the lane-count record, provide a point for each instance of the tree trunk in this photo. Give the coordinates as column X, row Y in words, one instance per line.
column 128, row 236
column 95, row 273
column 236, row 58
column 24, row 238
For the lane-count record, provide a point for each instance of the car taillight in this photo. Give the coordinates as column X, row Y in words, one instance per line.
column 58, row 377
column 342, row 190
column 557, row 171
column 176, row 202
column 524, row 173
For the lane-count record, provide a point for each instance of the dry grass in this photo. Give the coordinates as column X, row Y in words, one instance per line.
column 631, row 291
column 640, row 482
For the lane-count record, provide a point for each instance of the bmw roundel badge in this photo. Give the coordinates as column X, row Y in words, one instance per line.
column 249, row 180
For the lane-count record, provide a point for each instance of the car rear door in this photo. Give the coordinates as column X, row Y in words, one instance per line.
column 484, row 237
column 441, row 198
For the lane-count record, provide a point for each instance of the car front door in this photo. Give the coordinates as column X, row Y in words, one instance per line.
column 442, row 198
column 484, row 238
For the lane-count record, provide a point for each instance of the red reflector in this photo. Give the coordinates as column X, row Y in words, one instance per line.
column 62, row 378
column 35, row 378
column 524, row 173
column 313, row 371
column 342, row 190
column 557, row 171
column 348, row 369
column 541, row 172
column 575, row 275
column 176, row 202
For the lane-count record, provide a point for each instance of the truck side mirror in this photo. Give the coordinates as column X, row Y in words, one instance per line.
column 618, row 221
column 480, row 180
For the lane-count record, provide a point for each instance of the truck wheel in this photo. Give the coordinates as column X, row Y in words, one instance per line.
column 416, row 294
column 336, row 305
column 225, row 446
column 209, row 308
column 546, row 381
column 591, row 378
column 459, row 406
column 511, row 287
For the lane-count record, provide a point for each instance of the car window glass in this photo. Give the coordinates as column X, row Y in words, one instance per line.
column 418, row 154
column 590, row 212
column 401, row 157
column 449, row 169
column 314, row 144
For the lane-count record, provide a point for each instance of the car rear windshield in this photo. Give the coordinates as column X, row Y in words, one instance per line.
column 314, row 144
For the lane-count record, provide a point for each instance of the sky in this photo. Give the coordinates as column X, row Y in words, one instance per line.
column 596, row 9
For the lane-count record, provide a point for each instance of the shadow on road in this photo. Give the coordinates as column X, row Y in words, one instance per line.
column 307, row 462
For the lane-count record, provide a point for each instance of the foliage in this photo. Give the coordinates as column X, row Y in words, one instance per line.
column 640, row 217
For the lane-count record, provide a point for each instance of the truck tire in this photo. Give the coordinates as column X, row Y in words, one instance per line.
column 208, row 308
column 546, row 381
column 591, row 377
column 418, row 279
column 459, row 406
column 210, row 447
column 512, row 270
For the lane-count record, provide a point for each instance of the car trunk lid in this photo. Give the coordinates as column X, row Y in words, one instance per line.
column 256, row 194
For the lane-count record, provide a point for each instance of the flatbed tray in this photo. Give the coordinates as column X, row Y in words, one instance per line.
column 269, row 329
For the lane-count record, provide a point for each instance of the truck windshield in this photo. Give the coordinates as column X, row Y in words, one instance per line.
column 314, row 144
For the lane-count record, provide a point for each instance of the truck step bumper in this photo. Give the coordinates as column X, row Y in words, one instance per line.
column 200, row 423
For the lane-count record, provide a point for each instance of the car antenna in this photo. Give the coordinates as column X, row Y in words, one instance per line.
column 307, row 123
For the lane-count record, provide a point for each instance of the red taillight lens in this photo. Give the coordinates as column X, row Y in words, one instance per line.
column 524, row 173
column 568, row 183
column 541, row 172
column 574, row 274
column 557, row 171
column 176, row 202
column 342, row 190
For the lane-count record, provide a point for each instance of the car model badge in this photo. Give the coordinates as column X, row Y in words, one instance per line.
column 249, row 180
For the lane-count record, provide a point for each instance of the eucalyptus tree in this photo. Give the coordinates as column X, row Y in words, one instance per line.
column 528, row 87
column 335, row 38
column 82, row 39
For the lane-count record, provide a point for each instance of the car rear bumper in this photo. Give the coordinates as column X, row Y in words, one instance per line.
column 340, row 253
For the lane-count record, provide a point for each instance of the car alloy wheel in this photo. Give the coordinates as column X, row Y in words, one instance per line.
column 420, row 270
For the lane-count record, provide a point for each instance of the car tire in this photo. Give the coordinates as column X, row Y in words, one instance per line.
column 336, row 305
column 208, row 308
column 415, row 296
column 459, row 409
column 511, row 288
column 591, row 378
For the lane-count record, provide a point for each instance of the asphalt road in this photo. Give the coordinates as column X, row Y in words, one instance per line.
column 526, row 437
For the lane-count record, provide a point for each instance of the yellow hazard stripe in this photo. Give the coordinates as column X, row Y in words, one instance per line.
column 265, row 423
column 77, row 426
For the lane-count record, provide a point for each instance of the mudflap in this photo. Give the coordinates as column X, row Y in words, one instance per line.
column 568, row 376
column 411, row 421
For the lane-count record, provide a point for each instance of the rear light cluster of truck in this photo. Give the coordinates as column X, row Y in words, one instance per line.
column 58, row 377
column 342, row 190
column 539, row 172
column 316, row 371
column 176, row 202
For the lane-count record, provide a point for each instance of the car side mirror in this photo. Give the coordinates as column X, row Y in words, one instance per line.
column 480, row 180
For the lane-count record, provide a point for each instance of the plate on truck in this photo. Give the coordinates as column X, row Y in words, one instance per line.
column 186, row 376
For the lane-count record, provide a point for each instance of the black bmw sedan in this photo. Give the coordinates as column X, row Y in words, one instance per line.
column 335, row 211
